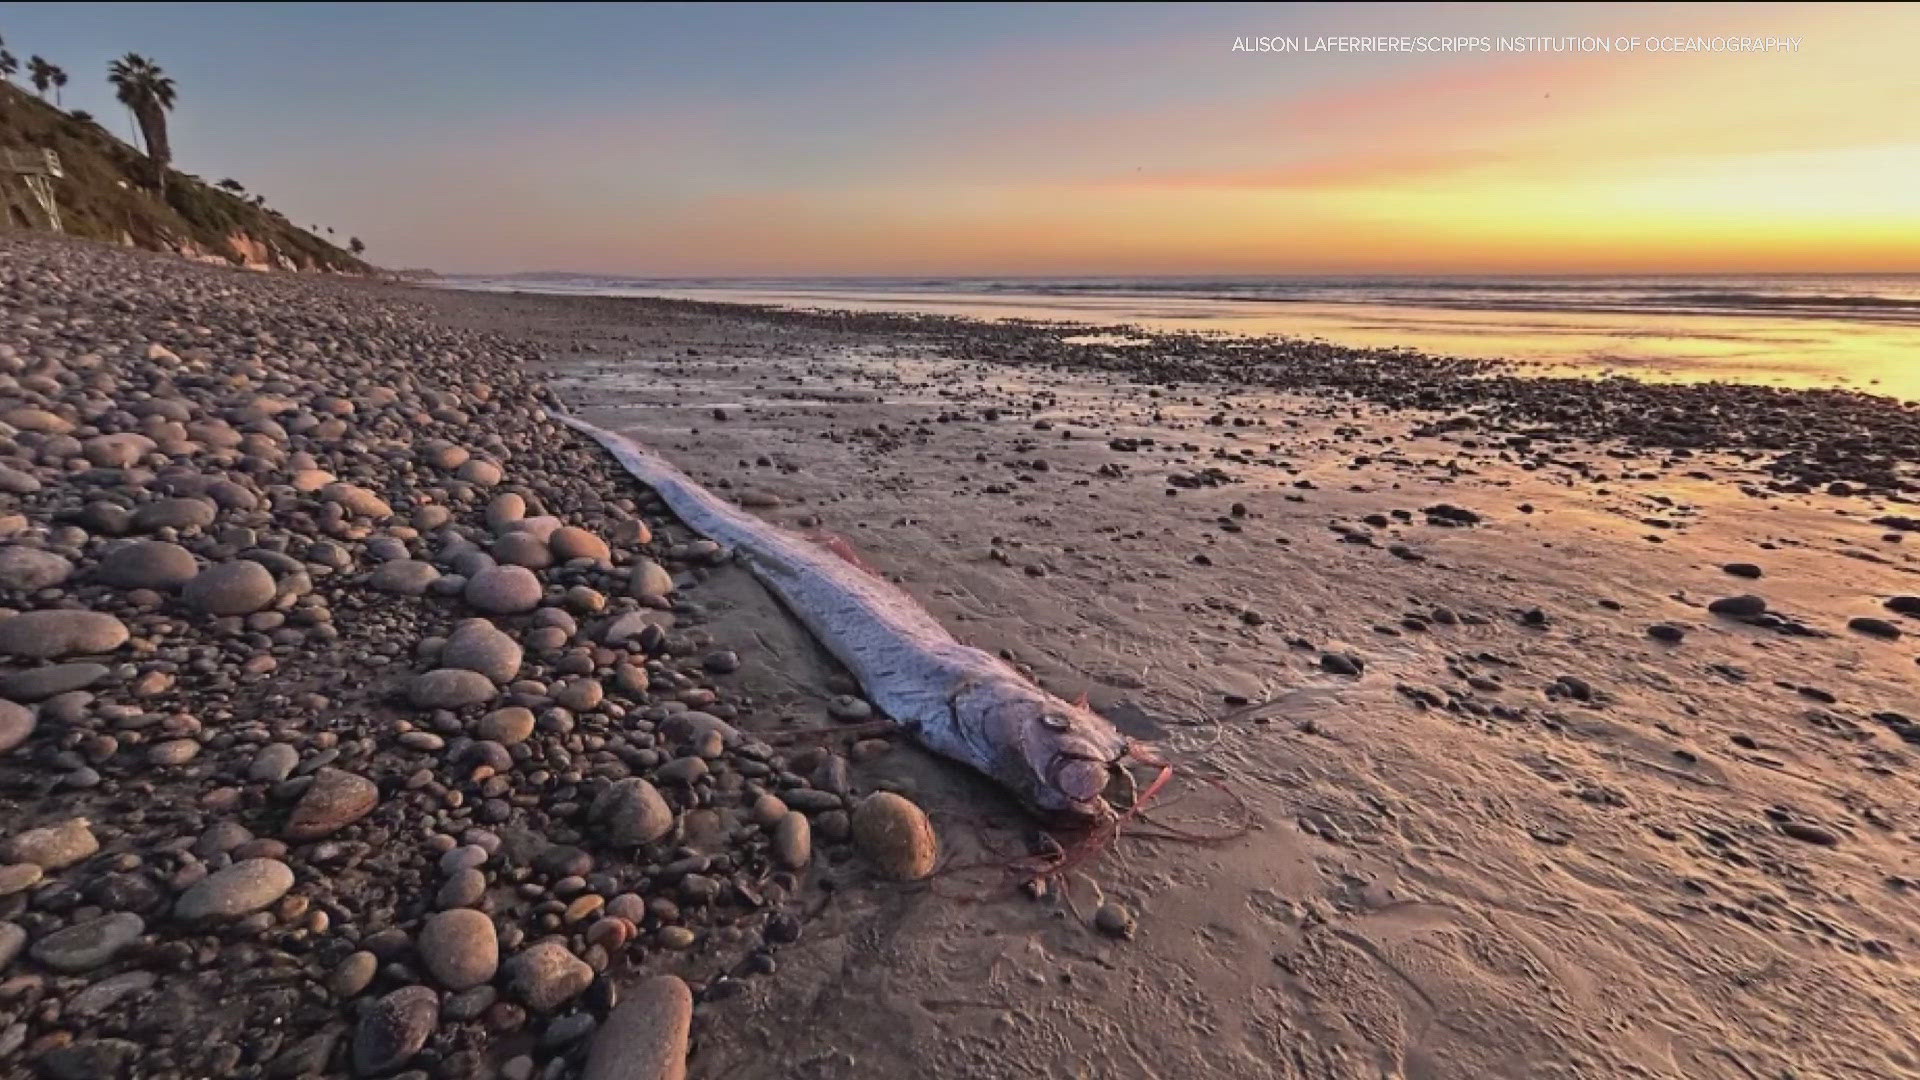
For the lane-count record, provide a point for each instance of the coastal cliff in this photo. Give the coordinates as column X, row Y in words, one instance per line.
column 103, row 193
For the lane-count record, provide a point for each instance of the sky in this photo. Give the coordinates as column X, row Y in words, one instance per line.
column 793, row 140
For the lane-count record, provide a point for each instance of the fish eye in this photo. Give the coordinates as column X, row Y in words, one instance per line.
column 1055, row 722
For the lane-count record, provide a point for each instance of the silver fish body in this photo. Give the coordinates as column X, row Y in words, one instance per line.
column 956, row 700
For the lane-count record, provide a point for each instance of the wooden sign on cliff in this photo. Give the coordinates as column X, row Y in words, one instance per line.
column 26, row 188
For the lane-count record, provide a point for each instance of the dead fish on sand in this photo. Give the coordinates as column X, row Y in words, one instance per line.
column 957, row 701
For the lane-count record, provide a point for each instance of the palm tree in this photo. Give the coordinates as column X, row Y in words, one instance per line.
column 59, row 76
column 9, row 64
column 354, row 245
column 41, row 73
column 147, row 93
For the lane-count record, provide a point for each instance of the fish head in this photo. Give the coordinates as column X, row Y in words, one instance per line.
column 1058, row 757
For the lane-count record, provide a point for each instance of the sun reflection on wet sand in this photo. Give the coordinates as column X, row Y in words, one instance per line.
column 1788, row 351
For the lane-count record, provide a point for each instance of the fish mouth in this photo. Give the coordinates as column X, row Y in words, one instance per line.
column 1083, row 785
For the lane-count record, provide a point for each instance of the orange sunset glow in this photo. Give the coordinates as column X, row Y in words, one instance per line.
column 1086, row 140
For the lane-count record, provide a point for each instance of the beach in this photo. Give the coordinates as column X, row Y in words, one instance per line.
column 1522, row 726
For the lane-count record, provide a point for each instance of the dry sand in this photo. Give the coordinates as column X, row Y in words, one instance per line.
column 1693, row 860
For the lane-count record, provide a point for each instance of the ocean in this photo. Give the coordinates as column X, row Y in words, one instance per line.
column 1859, row 332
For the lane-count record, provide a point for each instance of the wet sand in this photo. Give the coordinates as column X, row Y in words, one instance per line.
column 1527, row 839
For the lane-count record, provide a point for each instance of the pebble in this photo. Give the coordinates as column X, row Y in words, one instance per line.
column 273, row 763
column 513, row 724
column 88, row 945
column 29, row 569
column 358, row 501
column 239, row 890
column 17, row 877
column 463, row 888
column 394, row 1029
column 1666, row 632
column 353, row 974
column 404, row 577
column 478, row 645
column 88, row 1059
column 238, row 587
column 459, row 948
column 45, row 635
column 450, row 688
column 147, row 564
column 12, row 939
column 1872, row 627
column 1341, row 663
column 503, row 590
column 895, row 836
column 646, row 1036
column 793, row 840
column 38, row 684
column 1738, row 607
column 629, row 813
column 52, row 847
column 16, row 725
column 649, row 580
column 334, row 800
column 1114, row 920
column 546, row 975
column 179, row 513
column 570, row 542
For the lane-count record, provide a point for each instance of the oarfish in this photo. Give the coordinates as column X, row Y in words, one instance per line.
column 1055, row 756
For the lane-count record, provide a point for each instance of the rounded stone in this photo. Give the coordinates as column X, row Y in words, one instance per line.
column 241, row 889
column 238, row 587
column 147, row 564
column 630, row 812
column 334, row 800
column 30, row 569
column 1738, row 607
column 394, row 1029
column 571, row 542
column 895, row 836
column 44, row 635
column 273, row 763
column 52, row 847
column 88, row 945
column 463, row 888
column 793, row 840
column 459, row 948
column 505, row 509
column 12, row 939
column 354, row 974
column 182, row 513
column 38, row 684
column 480, row 473
column 546, row 975
column 404, row 577
column 450, row 688
column 478, row 645
column 646, row 1037
column 504, row 590
column 357, row 500
column 507, row 726
column 116, row 451
column 16, row 724
column 518, row 548
column 649, row 580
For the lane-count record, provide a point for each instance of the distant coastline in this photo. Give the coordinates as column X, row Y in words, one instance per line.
column 1805, row 331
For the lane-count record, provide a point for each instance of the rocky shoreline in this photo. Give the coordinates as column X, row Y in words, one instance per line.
column 358, row 718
